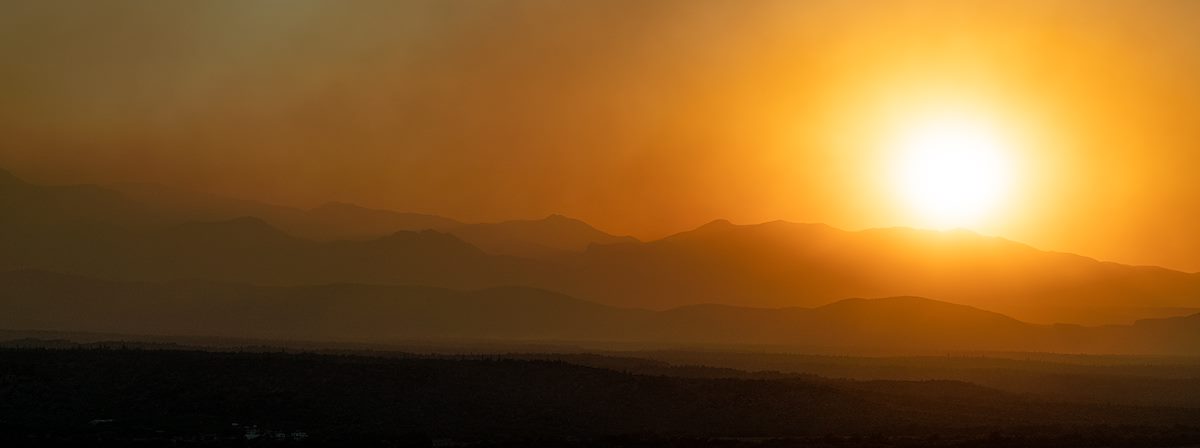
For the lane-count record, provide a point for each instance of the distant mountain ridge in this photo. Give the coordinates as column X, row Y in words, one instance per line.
column 104, row 233
column 149, row 207
column 348, row 312
column 344, row 221
column 330, row 221
column 787, row 264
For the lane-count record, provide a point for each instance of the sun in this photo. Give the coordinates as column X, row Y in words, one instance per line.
column 951, row 172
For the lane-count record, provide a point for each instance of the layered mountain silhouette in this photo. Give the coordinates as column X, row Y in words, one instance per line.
column 332, row 221
column 346, row 312
column 250, row 250
column 160, row 234
column 788, row 264
column 148, row 207
column 342, row 221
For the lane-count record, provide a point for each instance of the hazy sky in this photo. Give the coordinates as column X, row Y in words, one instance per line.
column 640, row 117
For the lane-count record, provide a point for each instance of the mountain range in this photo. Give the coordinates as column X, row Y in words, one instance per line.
column 40, row 300
column 146, row 233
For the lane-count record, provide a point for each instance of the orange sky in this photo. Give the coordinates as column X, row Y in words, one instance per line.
column 640, row 117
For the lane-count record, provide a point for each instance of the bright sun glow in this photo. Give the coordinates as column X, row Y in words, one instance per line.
column 952, row 172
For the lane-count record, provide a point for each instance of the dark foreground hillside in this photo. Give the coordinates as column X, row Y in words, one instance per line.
column 88, row 395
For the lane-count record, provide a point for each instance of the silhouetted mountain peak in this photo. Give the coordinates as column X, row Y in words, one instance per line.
column 715, row 224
